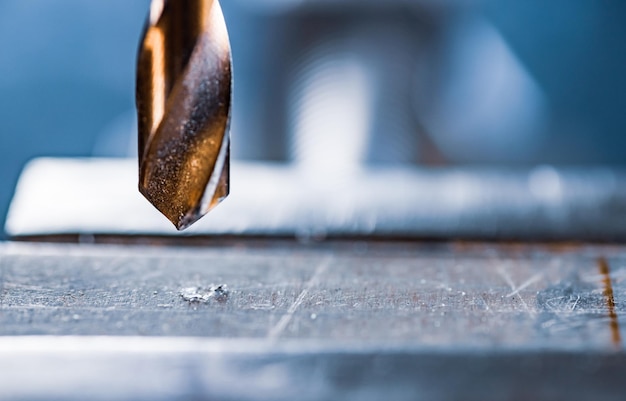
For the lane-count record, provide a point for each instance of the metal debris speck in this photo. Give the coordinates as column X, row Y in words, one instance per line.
column 196, row 295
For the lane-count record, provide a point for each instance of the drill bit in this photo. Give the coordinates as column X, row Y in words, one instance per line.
column 184, row 87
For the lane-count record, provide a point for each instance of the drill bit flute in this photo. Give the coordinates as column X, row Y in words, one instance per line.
column 184, row 87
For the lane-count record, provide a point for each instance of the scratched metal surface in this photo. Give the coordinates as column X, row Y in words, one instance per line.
column 426, row 294
column 349, row 320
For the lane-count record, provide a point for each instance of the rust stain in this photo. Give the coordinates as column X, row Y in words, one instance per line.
column 605, row 271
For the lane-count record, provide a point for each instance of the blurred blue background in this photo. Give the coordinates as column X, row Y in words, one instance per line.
column 495, row 81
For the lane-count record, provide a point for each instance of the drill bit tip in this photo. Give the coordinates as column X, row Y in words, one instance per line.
column 184, row 86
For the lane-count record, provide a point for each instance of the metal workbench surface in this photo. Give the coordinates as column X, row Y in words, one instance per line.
column 282, row 320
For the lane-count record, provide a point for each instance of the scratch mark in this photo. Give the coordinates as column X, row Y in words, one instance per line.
column 505, row 275
column 605, row 271
column 552, row 304
column 528, row 282
column 286, row 318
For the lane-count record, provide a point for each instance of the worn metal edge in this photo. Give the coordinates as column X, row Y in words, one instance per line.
column 138, row 368
column 138, row 345
column 98, row 197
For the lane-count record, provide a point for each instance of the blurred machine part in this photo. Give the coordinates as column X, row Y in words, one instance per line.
column 348, row 97
column 77, row 72
column 340, row 84
column 337, row 84
column 82, row 198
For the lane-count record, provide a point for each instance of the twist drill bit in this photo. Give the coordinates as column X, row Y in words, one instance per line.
column 184, row 87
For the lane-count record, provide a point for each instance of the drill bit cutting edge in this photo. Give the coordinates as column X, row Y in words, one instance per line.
column 184, row 86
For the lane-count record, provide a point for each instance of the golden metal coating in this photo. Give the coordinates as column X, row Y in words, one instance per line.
column 184, row 87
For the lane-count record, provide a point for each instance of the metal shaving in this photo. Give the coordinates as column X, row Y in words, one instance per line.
column 197, row 295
